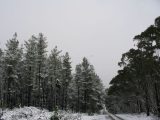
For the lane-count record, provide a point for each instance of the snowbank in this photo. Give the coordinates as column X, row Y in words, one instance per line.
column 95, row 117
column 33, row 113
column 137, row 117
column 26, row 113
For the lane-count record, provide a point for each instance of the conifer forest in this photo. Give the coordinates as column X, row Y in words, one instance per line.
column 29, row 76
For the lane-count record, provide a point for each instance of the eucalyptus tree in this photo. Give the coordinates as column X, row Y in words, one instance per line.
column 143, row 63
column 148, row 43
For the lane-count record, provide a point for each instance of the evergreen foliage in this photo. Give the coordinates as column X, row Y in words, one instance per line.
column 136, row 86
column 31, row 77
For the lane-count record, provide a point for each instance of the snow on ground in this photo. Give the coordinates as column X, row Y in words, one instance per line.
column 95, row 117
column 33, row 113
column 137, row 117
column 26, row 113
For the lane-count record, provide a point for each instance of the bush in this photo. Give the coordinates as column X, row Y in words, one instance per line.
column 56, row 115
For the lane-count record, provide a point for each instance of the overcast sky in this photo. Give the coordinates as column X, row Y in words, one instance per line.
column 100, row 30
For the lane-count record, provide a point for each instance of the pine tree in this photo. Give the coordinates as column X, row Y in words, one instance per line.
column 12, row 57
column 78, row 83
column 41, row 68
column 1, row 77
column 54, row 77
column 32, row 78
column 86, row 83
column 66, row 79
column 30, row 69
column 89, row 89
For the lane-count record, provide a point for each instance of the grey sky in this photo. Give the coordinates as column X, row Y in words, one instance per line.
column 101, row 30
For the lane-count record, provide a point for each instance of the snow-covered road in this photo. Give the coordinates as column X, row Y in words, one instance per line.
column 97, row 117
column 141, row 116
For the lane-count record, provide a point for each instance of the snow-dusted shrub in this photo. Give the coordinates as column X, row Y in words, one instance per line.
column 56, row 115
column 68, row 115
column 33, row 113
column 26, row 113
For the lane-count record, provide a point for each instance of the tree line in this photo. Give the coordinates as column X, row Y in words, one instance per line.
column 136, row 87
column 29, row 76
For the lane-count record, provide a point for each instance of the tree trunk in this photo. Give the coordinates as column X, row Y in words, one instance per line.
column 39, row 85
column 29, row 97
column 63, row 99
column 157, row 99
column 29, row 89
column 85, row 101
column 66, row 98
column 78, row 101
column 147, row 103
